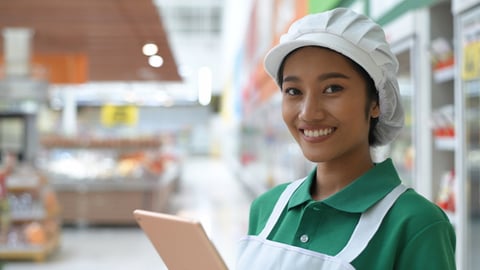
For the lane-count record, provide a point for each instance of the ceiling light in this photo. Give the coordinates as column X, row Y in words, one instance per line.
column 155, row 61
column 149, row 49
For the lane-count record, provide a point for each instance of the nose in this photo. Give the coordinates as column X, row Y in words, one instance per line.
column 312, row 108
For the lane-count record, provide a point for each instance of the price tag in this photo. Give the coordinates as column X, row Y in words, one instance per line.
column 113, row 115
column 471, row 61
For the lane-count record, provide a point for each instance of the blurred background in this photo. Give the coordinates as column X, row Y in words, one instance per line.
column 113, row 105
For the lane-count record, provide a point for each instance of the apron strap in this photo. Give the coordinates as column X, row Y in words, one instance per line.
column 279, row 206
column 368, row 225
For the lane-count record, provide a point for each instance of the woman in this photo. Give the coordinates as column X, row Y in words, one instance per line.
column 340, row 97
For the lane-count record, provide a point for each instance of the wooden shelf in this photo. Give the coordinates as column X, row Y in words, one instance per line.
column 110, row 202
column 35, row 253
column 34, row 221
column 98, row 143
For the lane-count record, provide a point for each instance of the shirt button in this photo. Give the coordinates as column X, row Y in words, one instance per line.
column 304, row 238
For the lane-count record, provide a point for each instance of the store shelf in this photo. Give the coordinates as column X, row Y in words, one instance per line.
column 444, row 74
column 33, row 221
column 37, row 253
column 66, row 183
column 111, row 202
column 27, row 216
column 91, row 184
column 24, row 217
column 102, row 180
column 49, row 142
column 445, row 143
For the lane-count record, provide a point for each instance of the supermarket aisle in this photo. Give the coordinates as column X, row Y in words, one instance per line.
column 208, row 191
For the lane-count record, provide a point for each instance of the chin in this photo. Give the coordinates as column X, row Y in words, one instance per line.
column 316, row 157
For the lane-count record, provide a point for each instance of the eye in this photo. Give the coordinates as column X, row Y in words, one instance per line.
column 333, row 89
column 292, row 91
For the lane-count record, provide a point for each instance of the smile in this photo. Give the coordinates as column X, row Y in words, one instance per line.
column 315, row 133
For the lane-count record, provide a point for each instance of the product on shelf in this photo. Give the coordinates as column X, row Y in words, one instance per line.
column 444, row 122
column 446, row 196
column 35, row 233
column 105, row 159
column 443, row 60
column 101, row 181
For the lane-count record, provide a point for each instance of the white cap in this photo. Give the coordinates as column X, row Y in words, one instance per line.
column 358, row 38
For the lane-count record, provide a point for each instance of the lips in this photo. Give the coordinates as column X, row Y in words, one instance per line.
column 317, row 133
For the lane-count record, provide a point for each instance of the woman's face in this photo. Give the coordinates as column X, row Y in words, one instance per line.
column 323, row 105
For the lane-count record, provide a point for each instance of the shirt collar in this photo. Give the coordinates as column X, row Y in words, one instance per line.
column 359, row 195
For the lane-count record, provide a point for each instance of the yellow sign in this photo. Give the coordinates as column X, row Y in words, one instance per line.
column 471, row 61
column 119, row 115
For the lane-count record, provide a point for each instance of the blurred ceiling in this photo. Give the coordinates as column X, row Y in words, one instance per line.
column 110, row 33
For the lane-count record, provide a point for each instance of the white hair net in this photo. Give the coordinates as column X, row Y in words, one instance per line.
column 360, row 39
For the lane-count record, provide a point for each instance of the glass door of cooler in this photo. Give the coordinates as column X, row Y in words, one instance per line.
column 468, row 159
column 401, row 150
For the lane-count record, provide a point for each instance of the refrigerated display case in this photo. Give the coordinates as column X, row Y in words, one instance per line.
column 441, row 65
column 467, row 39
column 100, row 181
column 402, row 149
column 421, row 164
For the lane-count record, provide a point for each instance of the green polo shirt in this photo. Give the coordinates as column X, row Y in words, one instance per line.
column 415, row 233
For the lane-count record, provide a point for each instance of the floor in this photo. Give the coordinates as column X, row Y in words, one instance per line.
column 208, row 191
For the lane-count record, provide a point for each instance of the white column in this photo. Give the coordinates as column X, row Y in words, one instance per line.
column 69, row 113
column 17, row 51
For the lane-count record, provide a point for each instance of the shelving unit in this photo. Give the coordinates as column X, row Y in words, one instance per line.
column 427, row 85
column 34, row 225
column 442, row 98
column 401, row 150
column 467, row 104
column 101, row 181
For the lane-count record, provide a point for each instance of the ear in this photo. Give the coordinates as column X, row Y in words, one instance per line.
column 375, row 110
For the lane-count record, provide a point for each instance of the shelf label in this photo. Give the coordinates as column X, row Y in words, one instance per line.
column 471, row 61
column 119, row 115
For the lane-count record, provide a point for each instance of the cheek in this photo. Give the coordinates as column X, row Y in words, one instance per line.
column 350, row 111
column 289, row 118
column 288, row 112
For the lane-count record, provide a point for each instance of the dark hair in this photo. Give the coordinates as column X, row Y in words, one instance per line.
column 372, row 93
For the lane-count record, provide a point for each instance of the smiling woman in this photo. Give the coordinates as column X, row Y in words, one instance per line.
column 340, row 98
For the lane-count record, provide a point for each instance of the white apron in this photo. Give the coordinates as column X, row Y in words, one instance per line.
column 257, row 252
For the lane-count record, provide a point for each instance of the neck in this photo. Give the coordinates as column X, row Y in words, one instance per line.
column 333, row 176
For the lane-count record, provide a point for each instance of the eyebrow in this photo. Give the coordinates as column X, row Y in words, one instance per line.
column 325, row 76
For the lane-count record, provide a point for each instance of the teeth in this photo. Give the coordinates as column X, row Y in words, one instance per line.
column 317, row 132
